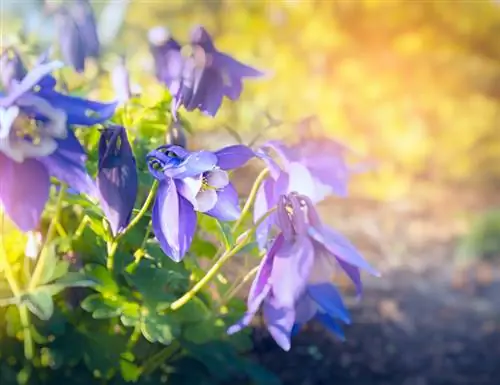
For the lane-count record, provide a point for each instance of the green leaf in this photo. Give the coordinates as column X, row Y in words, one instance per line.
column 105, row 281
column 101, row 308
column 227, row 235
column 40, row 303
column 50, row 264
column 129, row 371
column 193, row 311
column 200, row 332
column 159, row 328
column 201, row 248
column 71, row 279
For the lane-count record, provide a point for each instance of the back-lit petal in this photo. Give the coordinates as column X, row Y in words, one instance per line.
column 193, row 165
column 227, row 207
column 174, row 220
column 291, row 268
column 232, row 157
column 279, row 321
column 329, row 299
column 264, row 201
column 24, row 191
column 341, row 248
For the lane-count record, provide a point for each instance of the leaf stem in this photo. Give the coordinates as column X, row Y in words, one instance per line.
column 251, row 198
column 218, row 264
column 16, row 290
column 42, row 260
column 113, row 244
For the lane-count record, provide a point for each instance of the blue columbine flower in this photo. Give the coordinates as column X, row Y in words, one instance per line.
column 190, row 182
column 202, row 77
column 35, row 143
column 116, row 177
column 293, row 283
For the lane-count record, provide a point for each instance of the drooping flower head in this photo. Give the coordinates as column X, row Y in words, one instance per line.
column 190, row 182
column 35, row 143
column 293, row 283
column 198, row 76
column 117, row 180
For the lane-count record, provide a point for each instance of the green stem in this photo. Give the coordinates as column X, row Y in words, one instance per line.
column 16, row 290
column 251, row 198
column 113, row 245
column 42, row 260
column 218, row 265
column 238, row 284
column 24, row 316
column 134, row 337
column 156, row 360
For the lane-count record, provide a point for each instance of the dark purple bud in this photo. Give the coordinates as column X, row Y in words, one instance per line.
column 12, row 66
column 176, row 135
column 117, row 177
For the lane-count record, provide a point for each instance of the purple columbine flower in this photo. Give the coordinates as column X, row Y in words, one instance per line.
column 36, row 143
column 202, row 77
column 77, row 34
column 116, row 177
column 293, row 283
column 190, row 182
column 316, row 168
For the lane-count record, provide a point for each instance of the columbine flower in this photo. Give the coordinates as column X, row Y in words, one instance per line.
column 12, row 66
column 314, row 167
column 200, row 78
column 117, row 177
column 77, row 34
column 35, row 144
column 293, row 283
column 190, row 182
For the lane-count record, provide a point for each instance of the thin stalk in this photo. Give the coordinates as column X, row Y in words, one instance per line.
column 42, row 260
column 251, row 198
column 16, row 290
column 113, row 244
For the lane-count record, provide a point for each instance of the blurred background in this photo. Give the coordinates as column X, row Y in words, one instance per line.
column 413, row 87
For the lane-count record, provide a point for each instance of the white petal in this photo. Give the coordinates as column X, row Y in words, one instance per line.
column 56, row 125
column 45, row 147
column 10, row 151
column 217, row 179
column 33, row 244
column 206, row 200
column 190, row 187
column 158, row 35
column 7, row 117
